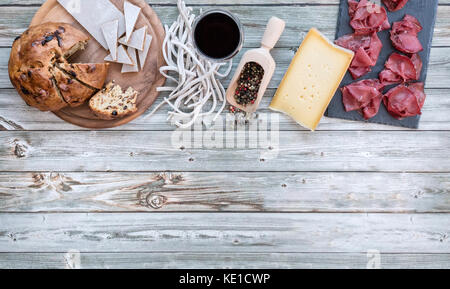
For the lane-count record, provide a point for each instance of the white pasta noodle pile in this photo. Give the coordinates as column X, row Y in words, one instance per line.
column 197, row 79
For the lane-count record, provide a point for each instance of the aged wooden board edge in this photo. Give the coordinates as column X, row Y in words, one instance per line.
column 162, row 151
column 225, row 232
column 152, row 260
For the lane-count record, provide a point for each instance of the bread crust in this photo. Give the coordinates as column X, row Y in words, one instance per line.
column 91, row 74
column 72, row 91
column 32, row 63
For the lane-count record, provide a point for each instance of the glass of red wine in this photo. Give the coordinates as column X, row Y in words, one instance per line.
column 218, row 35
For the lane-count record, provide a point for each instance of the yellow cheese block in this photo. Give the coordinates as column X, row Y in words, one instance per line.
column 312, row 80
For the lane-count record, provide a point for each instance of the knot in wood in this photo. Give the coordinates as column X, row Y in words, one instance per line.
column 156, row 201
column 20, row 148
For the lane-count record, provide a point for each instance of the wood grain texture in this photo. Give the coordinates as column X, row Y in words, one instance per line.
column 16, row 115
column 296, row 151
column 264, row 192
column 325, row 200
column 148, row 260
column 225, row 232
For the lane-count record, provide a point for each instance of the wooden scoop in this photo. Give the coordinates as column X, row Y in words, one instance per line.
column 262, row 56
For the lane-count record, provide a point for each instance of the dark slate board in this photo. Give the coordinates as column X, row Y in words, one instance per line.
column 425, row 11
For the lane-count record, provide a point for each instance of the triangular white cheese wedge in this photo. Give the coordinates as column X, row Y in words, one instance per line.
column 109, row 58
column 131, row 15
column 122, row 57
column 144, row 53
column 110, row 30
column 137, row 39
column 131, row 68
column 92, row 14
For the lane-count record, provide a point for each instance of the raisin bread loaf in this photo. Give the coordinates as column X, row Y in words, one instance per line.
column 32, row 62
column 112, row 103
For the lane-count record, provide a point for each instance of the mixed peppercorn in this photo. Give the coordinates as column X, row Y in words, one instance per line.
column 234, row 110
column 249, row 83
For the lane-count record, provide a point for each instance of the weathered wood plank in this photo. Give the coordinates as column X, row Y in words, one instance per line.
column 226, row 192
column 286, row 151
column 438, row 74
column 146, row 260
column 300, row 18
column 225, row 232
column 16, row 115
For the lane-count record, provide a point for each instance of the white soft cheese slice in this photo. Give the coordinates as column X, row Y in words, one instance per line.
column 312, row 79
column 109, row 30
column 93, row 14
column 144, row 53
column 131, row 68
column 131, row 15
column 137, row 39
column 122, row 57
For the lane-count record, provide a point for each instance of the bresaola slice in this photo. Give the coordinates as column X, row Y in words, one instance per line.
column 367, row 17
column 405, row 101
column 418, row 88
column 364, row 96
column 404, row 35
column 400, row 68
column 395, row 5
column 418, row 64
column 367, row 48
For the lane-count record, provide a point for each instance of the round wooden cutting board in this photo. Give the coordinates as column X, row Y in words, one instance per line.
column 145, row 81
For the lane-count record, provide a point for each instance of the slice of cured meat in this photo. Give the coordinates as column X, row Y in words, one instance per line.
column 404, row 35
column 395, row 5
column 367, row 17
column 364, row 96
column 405, row 101
column 367, row 48
column 417, row 61
column 400, row 68
column 419, row 91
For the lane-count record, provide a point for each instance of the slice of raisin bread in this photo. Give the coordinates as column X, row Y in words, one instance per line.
column 90, row 74
column 112, row 103
column 71, row 90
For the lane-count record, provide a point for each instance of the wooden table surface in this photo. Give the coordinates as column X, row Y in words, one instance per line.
column 333, row 198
